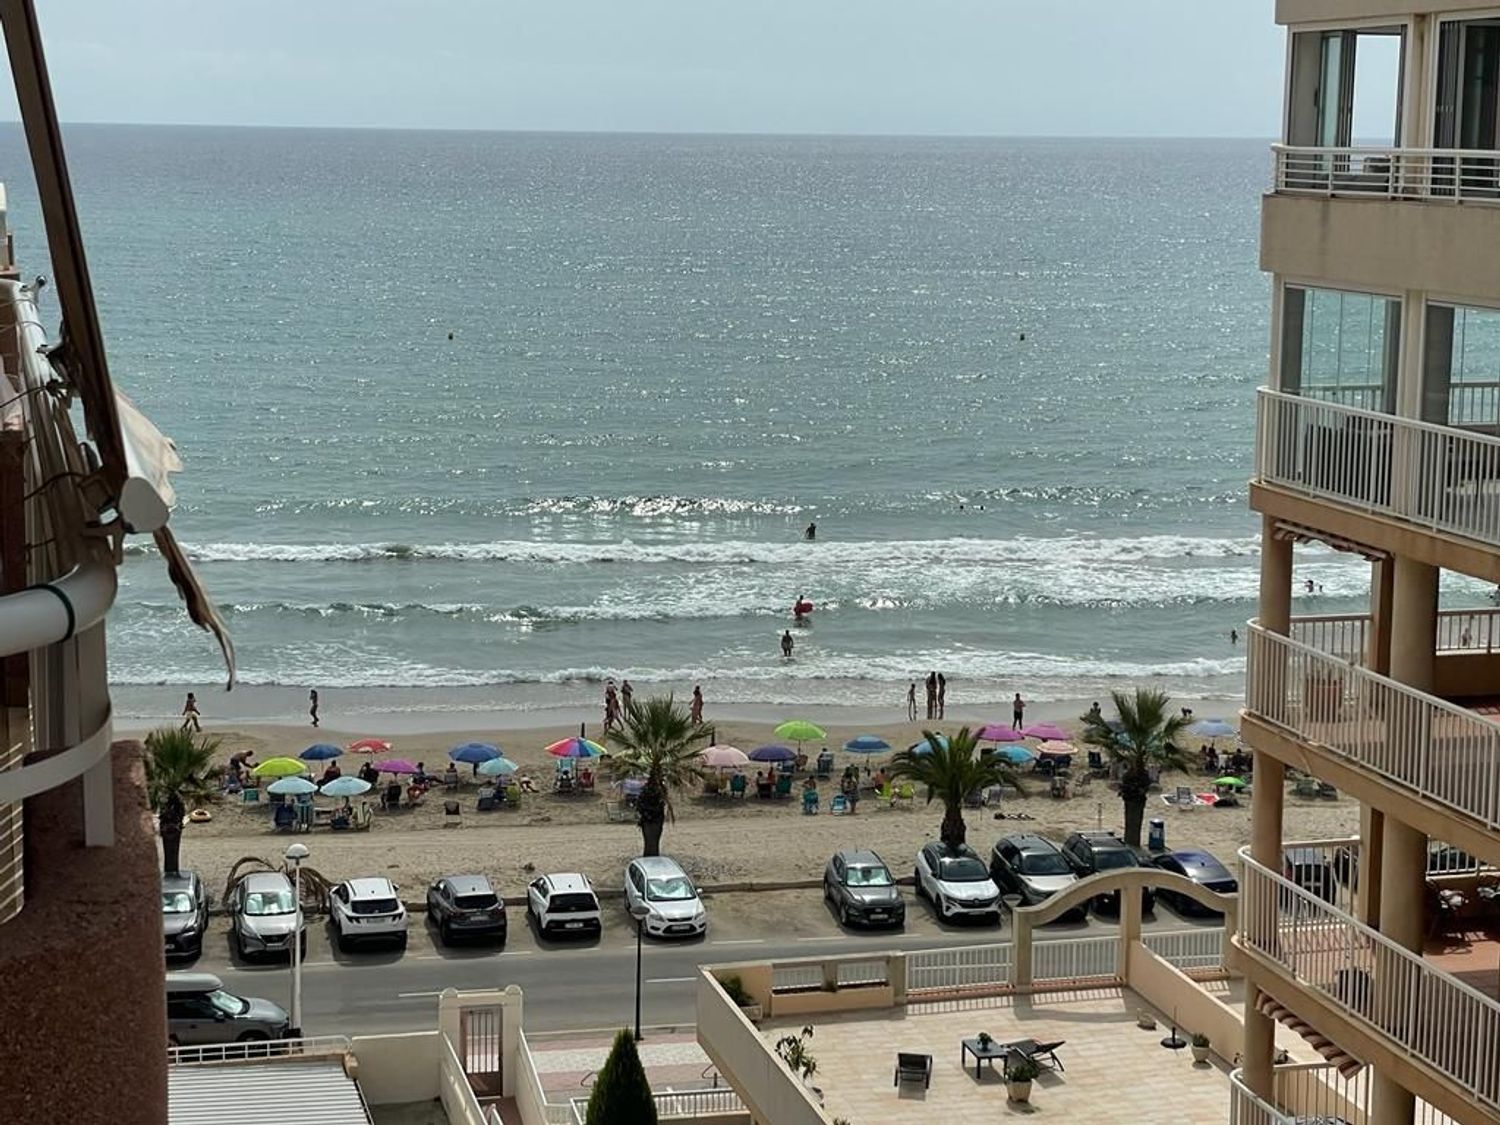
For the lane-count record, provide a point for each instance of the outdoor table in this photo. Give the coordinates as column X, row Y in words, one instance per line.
column 983, row 1053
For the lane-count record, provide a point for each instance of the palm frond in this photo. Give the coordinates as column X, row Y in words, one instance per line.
column 180, row 764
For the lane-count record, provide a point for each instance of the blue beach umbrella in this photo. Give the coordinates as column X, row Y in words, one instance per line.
column 773, row 753
column 320, row 751
column 1212, row 728
column 292, row 787
column 344, row 787
column 1015, row 755
column 867, row 744
column 474, row 753
column 498, row 767
column 924, row 746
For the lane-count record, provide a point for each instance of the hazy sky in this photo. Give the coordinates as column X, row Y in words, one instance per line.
column 1060, row 67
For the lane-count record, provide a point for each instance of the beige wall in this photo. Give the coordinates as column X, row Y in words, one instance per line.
column 1385, row 245
column 531, row 1102
column 1168, row 990
column 1466, row 675
column 769, row 1090
column 398, row 1068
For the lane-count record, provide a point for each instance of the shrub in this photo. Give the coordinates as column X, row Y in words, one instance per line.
column 621, row 1092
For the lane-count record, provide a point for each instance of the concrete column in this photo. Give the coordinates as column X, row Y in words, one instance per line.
column 1130, row 930
column 1020, row 951
column 1259, row 1058
column 1382, row 586
column 1371, row 865
column 1265, row 848
column 1275, row 579
column 1402, row 899
column 510, row 1039
column 1414, row 599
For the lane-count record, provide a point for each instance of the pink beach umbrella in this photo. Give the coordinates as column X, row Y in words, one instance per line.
column 370, row 746
column 1049, row 732
column 724, row 757
column 396, row 765
column 998, row 732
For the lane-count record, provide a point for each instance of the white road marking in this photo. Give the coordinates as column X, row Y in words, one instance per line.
column 741, row 941
column 411, row 995
column 830, row 937
column 668, row 980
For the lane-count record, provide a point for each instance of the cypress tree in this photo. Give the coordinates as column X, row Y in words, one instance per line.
column 622, row 1096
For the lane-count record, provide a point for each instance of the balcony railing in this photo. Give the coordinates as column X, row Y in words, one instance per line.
column 1446, row 174
column 1418, row 1010
column 1438, row 477
column 1416, row 742
column 1347, row 635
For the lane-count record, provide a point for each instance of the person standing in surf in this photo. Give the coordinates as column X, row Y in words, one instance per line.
column 626, row 694
column 786, row 644
column 1017, row 711
column 312, row 705
column 931, row 695
column 812, row 531
column 942, row 694
column 611, row 704
column 696, row 711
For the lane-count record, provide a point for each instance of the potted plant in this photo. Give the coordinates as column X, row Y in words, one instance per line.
column 734, row 988
column 1199, row 1042
column 799, row 1060
column 1018, row 1078
column 985, row 1039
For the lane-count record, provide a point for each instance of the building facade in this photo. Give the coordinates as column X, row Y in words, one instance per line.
column 1378, row 435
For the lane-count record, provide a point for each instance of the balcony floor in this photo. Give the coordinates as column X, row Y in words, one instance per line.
column 1470, row 952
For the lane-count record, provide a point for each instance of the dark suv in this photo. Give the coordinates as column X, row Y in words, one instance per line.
column 1032, row 867
column 1089, row 853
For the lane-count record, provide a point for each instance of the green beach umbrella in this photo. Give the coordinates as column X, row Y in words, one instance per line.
column 800, row 731
column 279, row 767
column 1230, row 782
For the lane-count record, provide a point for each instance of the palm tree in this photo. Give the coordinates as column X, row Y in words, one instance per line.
column 951, row 773
column 656, row 741
column 1143, row 738
column 179, row 772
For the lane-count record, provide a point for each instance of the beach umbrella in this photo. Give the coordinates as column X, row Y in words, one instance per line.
column 292, row 787
column 867, row 744
column 998, row 732
column 1053, row 746
column 473, row 753
column 724, row 757
column 1230, row 782
column 370, row 746
column 575, row 747
column 1015, row 755
column 320, row 751
column 800, row 731
column 773, row 754
column 498, row 767
column 1212, row 728
column 396, row 765
column 1046, row 732
column 344, row 787
column 279, row 767
column 924, row 746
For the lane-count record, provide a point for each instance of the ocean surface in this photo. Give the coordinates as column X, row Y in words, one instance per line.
column 481, row 412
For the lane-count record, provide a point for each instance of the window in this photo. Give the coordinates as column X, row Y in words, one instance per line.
column 476, row 902
column 269, row 902
column 961, row 869
column 1344, row 89
column 1112, row 860
column 1461, row 367
column 1340, row 347
column 1044, row 863
column 375, row 906
column 176, row 902
column 672, row 888
column 867, row 877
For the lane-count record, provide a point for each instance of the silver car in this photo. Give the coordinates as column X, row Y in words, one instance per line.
column 199, row 1011
column 263, row 916
column 659, row 889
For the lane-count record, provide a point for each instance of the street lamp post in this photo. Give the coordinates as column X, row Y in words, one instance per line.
column 639, row 913
column 295, row 854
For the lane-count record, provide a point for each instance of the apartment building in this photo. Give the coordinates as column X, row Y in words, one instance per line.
column 1379, row 436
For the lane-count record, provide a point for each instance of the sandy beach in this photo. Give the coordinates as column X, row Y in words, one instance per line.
column 718, row 839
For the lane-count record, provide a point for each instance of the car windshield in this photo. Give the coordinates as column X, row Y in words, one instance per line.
column 961, row 869
column 228, row 1002
column 1044, row 863
column 176, row 902
column 475, row 901
column 867, row 877
column 374, row 906
column 1108, row 861
column 674, row 888
column 269, row 902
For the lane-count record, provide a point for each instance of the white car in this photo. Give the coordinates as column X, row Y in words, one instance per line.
column 659, row 889
column 564, row 903
column 957, row 882
column 367, row 910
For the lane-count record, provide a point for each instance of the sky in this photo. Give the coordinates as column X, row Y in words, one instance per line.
column 1200, row 68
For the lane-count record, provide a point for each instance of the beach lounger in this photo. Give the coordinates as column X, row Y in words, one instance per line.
column 838, row 805
column 912, row 1067
column 737, row 786
column 810, row 802
column 1185, row 798
column 784, row 785
column 485, row 800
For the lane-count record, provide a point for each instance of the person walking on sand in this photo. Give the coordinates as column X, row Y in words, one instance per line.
column 786, row 645
column 931, row 686
column 942, row 694
column 312, row 705
column 626, row 694
column 1017, row 711
column 190, row 714
column 695, row 712
column 911, row 702
column 611, row 704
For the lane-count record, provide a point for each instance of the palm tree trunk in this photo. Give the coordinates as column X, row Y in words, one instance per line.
column 169, row 824
column 954, row 831
column 651, row 814
column 1135, row 814
column 651, row 836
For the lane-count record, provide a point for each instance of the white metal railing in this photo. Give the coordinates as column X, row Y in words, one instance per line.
column 671, row 1104
column 259, row 1049
column 1436, row 477
column 1389, row 172
column 797, row 978
column 961, row 967
column 1414, row 741
column 1201, row 948
column 1425, row 1013
column 979, row 967
column 1075, row 959
column 1346, row 635
column 1248, row 1108
column 852, row 974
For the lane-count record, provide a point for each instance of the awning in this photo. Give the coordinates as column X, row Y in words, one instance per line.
column 310, row 1092
column 1346, row 1064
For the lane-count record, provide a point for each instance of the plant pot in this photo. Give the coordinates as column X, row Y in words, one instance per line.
column 1200, row 1054
column 752, row 1012
column 1018, row 1091
column 1146, row 1020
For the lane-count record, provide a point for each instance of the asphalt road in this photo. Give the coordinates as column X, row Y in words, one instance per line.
column 580, row 984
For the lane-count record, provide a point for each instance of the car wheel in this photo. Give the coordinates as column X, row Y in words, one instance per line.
column 342, row 941
column 843, row 914
column 942, row 906
column 401, row 942
column 445, row 932
column 917, row 879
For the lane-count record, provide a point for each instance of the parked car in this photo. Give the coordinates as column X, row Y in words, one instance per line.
column 200, row 1011
column 263, row 916
column 957, row 883
column 367, row 909
column 465, row 906
column 564, row 903
column 1311, row 869
column 658, row 886
column 1202, row 868
column 184, row 914
column 862, row 891
column 1089, row 853
column 1032, row 866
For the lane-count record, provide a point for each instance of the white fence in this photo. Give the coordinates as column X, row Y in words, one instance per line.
column 1093, row 958
column 797, row 978
column 851, row 974
column 1430, row 1015
column 1437, row 477
column 1448, row 174
column 991, row 967
column 690, row 1104
column 1346, row 635
column 959, row 968
column 1188, row 949
column 259, row 1049
column 1415, row 741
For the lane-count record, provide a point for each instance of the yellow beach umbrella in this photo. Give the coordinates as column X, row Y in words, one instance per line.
column 279, row 767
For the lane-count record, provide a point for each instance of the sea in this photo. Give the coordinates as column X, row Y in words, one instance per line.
column 500, row 415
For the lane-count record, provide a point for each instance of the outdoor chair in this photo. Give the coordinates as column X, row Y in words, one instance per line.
column 341, row 820
column 906, row 794
column 250, row 795
column 784, row 785
column 484, row 800
column 452, row 814
column 1185, row 798
column 283, row 818
column 616, row 812
column 973, row 799
column 1096, row 763
column 305, row 816
column 838, row 805
column 912, row 1067
column 738, row 785
column 810, row 802
column 1082, row 784
column 364, row 816
column 1305, row 787
column 885, row 796
column 451, row 779
column 825, row 764
column 1045, row 1054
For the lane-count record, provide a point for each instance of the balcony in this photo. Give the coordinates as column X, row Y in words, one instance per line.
column 1445, row 175
column 1392, row 1001
column 1406, row 473
column 1312, row 1092
column 1347, row 635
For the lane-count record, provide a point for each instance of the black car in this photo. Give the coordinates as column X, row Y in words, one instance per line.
column 1202, row 868
column 1089, row 853
column 465, row 906
column 862, row 891
column 184, row 914
column 1032, row 867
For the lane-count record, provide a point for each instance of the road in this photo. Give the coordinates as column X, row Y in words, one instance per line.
column 578, row 985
